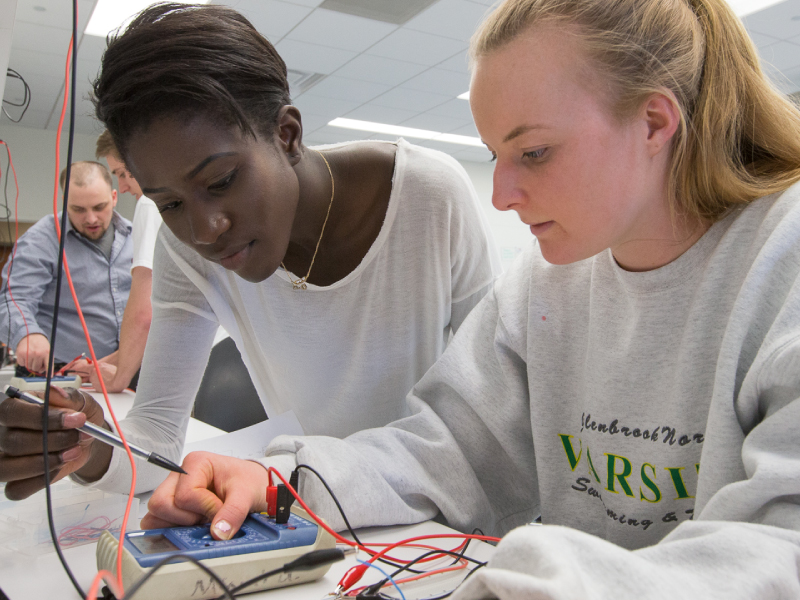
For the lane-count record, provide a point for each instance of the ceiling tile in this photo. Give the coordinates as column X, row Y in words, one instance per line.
column 381, row 114
column 329, row 108
column 417, row 47
column 455, row 19
column 761, row 40
column 40, row 38
column 781, row 55
column 456, row 109
column 338, row 30
column 379, row 69
column 28, row 63
column 458, row 63
column 410, row 99
column 348, row 89
column 272, row 19
column 312, row 57
column 310, row 3
column 57, row 13
column 440, row 81
column 91, row 48
column 776, row 21
column 434, row 122
column 312, row 122
column 468, row 129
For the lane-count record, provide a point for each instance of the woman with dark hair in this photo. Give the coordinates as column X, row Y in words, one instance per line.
column 340, row 273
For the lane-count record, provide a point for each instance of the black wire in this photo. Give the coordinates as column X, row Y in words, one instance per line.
column 26, row 101
column 49, row 369
column 129, row 593
column 344, row 516
column 375, row 587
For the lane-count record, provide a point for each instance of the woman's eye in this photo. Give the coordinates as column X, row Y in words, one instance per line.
column 162, row 208
column 224, row 183
column 535, row 154
column 494, row 157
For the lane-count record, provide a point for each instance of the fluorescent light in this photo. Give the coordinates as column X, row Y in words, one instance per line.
column 464, row 96
column 746, row 7
column 108, row 15
column 410, row 132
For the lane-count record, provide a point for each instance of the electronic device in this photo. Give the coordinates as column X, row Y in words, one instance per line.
column 27, row 384
column 261, row 545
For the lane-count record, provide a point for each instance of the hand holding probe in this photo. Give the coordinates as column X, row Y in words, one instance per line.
column 103, row 435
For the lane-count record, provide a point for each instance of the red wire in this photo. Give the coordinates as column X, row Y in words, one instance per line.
column 95, row 583
column 14, row 250
column 383, row 553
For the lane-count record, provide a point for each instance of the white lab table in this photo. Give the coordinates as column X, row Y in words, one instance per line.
column 24, row 577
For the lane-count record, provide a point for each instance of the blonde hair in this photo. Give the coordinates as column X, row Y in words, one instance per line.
column 106, row 147
column 739, row 138
column 84, row 172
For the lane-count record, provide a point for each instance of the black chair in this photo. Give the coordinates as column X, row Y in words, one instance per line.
column 227, row 398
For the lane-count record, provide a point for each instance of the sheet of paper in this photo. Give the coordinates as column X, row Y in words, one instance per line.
column 250, row 442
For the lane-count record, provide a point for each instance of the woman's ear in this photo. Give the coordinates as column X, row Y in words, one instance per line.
column 290, row 132
column 662, row 117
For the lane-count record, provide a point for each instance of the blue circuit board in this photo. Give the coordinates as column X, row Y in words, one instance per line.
column 258, row 533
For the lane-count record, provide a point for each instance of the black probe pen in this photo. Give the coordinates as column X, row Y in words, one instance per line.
column 103, row 435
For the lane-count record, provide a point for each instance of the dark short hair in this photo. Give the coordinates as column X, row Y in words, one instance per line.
column 84, row 172
column 181, row 60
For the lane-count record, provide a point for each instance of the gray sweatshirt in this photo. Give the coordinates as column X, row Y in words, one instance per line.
column 651, row 419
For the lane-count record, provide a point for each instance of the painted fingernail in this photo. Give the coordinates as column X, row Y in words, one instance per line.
column 223, row 529
column 71, row 454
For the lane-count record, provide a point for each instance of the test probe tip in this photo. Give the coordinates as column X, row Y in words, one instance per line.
column 164, row 463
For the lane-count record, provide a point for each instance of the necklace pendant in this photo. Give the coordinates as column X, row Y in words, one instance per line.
column 299, row 285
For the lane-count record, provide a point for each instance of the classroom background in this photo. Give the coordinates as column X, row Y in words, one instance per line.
column 397, row 68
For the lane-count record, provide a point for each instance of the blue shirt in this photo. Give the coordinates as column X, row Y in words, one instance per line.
column 101, row 284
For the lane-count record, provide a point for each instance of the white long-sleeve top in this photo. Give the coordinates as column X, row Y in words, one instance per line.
column 342, row 357
column 651, row 419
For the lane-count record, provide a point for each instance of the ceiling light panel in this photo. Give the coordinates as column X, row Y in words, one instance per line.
column 109, row 15
column 388, row 11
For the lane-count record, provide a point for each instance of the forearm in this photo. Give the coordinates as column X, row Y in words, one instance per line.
column 134, row 331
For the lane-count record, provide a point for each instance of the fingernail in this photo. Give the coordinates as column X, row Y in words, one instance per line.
column 72, row 420
column 71, row 454
column 223, row 529
column 84, row 436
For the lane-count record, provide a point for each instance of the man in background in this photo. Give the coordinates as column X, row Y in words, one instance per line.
column 99, row 249
column 121, row 369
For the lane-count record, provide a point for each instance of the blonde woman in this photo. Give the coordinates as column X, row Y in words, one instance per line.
column 635, row 378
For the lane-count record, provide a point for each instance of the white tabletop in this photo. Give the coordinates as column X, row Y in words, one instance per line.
column 23, row 576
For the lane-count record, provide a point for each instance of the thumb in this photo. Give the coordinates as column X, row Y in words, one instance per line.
column 231, row 515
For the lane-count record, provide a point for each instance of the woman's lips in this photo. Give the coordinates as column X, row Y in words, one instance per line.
column 234, row 261
column 540, row 228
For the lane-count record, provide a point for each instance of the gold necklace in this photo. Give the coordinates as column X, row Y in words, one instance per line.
column 300, row 284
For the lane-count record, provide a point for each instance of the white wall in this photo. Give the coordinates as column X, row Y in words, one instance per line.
column 33, row 153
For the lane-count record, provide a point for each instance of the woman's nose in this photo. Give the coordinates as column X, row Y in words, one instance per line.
column 207, row 224
column 506, row 192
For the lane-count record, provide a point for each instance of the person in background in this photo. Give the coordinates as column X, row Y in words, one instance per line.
column 634, row 379
column 121, row 369
column 340, row 272
column 98, row 248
